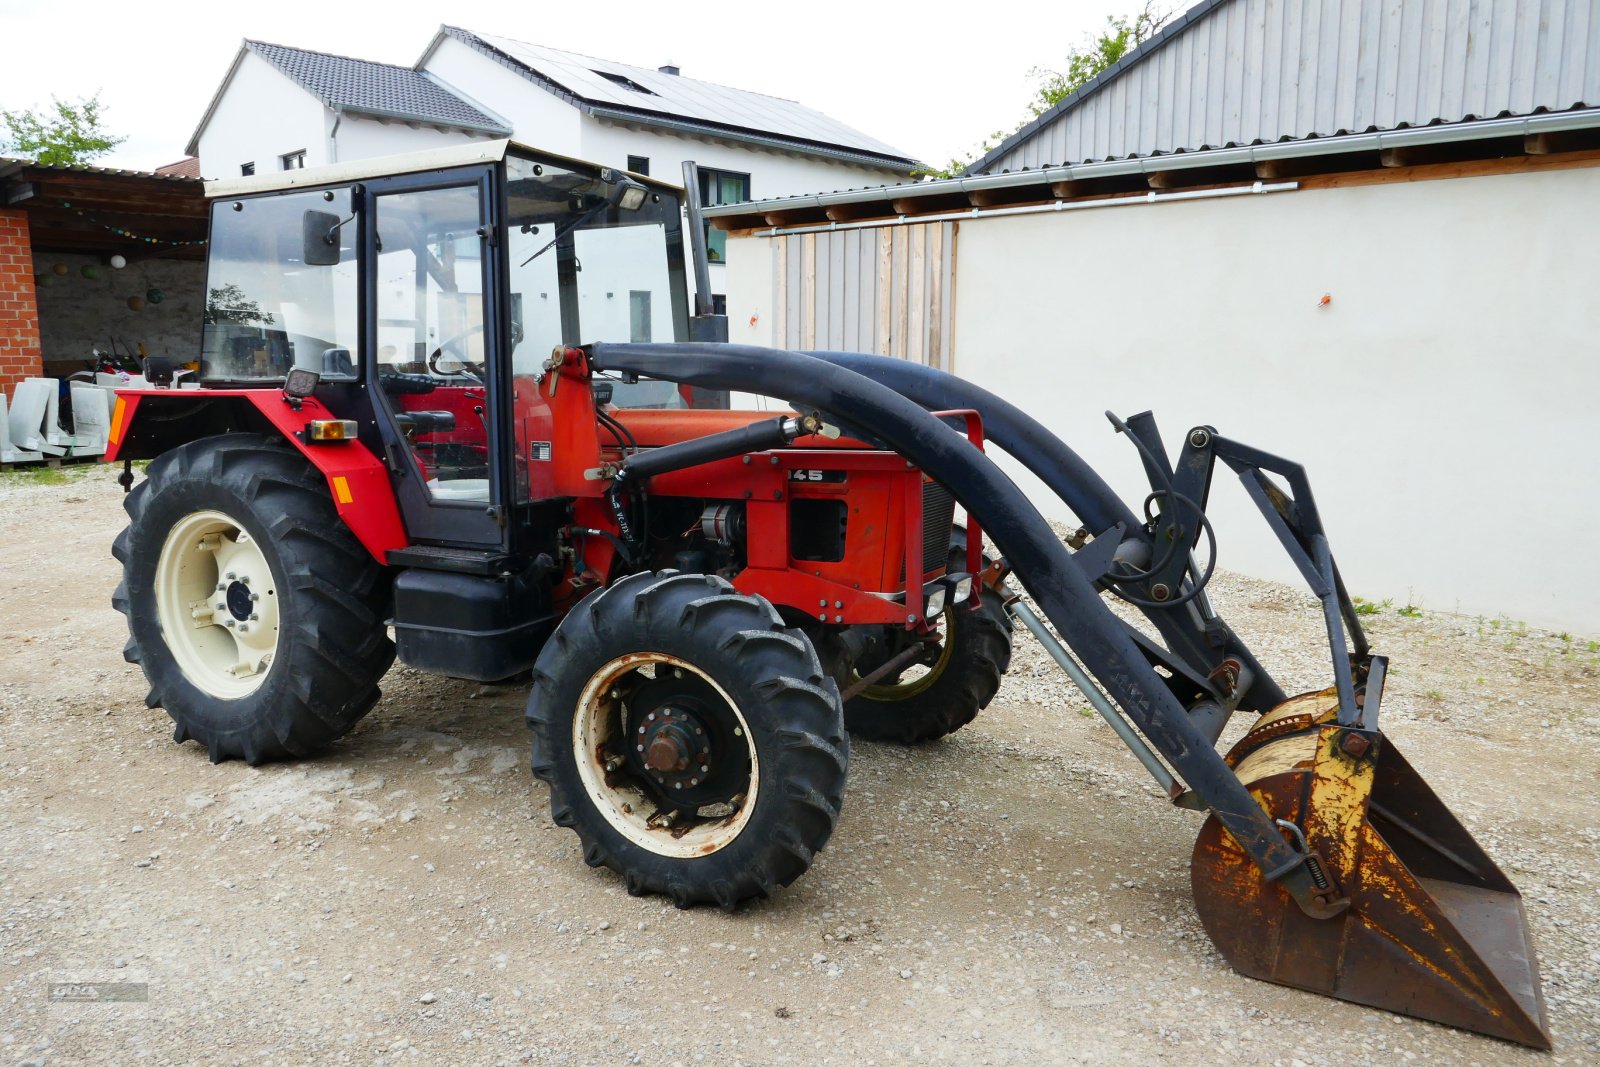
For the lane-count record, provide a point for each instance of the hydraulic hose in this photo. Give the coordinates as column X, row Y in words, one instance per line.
column 1040, row 561
column 1022, row 437
column 1072, row 480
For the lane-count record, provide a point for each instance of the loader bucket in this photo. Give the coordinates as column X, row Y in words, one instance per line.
column 1432, row 928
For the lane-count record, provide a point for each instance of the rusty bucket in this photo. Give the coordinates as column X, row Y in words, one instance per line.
column 1426, row 924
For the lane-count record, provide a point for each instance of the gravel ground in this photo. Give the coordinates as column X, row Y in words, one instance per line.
column 1017, row 893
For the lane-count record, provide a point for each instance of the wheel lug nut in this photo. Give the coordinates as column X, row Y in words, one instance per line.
column 222, row 607
column 230, row 576
column 222, row 586
column 254, row 617
column 232, row 623
column 254, row 597
column 705, row 768
column 693, row 781
column 243, row 627
column 245, row 579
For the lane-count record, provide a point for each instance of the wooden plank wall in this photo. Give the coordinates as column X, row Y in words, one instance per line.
column 888, row 290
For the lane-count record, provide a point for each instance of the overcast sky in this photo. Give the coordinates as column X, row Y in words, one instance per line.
column 930, row 78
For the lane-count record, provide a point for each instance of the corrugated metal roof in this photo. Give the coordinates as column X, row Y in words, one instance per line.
column 10, row 165
column 652, row 97
column 380, row 89
column 1238, row 72
column 912, row 199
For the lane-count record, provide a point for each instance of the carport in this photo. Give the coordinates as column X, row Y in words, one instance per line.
column 96, row 260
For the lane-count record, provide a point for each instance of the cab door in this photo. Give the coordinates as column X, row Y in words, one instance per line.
column 432, row 360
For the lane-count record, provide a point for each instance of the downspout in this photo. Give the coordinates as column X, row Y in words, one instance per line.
column 333, row 134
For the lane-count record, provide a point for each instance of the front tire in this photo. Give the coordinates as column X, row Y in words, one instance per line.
column 255, row 615
column 689, row 738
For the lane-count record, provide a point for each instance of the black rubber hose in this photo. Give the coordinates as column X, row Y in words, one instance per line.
column 756, row 437
column 1044, row 454
column 1040, row 561
column 1072, row 480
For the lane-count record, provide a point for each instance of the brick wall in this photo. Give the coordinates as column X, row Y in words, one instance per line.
column 19, row 313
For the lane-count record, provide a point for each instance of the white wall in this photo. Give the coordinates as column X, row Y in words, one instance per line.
column 771, row 173
column 262, row 116
column 542, row 120
column 1443, row 403
column 539, row 118
column 363, row 138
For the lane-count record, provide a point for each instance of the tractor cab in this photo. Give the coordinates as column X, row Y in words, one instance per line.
column 431, row 296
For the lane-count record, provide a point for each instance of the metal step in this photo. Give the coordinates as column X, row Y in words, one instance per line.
column 487, row 562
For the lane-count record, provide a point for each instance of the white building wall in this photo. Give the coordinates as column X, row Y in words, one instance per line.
column 539, row 118
column 1443, row 403
column 364, row 138
column 261, row 117
column 771, row 173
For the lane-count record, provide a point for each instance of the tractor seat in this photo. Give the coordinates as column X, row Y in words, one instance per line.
column 412, row 423
column 470, row 489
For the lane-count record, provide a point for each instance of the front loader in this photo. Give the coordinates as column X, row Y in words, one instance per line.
column 432, row 423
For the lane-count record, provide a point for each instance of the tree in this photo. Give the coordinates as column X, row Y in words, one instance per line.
column 1099, row 54
column 1085, row 63
column 66, row 133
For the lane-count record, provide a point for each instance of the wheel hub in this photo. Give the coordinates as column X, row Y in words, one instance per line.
column 674, row 747
column 238, row 600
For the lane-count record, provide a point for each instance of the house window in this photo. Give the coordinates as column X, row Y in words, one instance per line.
column 639, row 316
column 719, row 304
column 293, row 160
column 639, row 164
column 721, row 187
column 247, row 169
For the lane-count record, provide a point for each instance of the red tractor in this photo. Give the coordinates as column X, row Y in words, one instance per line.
column 454, row 409
column 395, row 434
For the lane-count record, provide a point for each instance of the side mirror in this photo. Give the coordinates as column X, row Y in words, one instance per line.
column 319, row 239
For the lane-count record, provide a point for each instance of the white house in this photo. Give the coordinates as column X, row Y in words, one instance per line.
column 281, row 107
column 1361, row 234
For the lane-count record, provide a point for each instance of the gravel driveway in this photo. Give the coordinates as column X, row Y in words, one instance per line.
column 1016, row 894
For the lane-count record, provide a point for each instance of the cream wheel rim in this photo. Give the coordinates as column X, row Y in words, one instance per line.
column 217, row 602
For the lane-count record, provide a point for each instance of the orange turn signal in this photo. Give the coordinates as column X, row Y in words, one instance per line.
column 325, row 430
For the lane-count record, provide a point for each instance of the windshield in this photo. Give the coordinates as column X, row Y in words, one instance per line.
column 585, row 270
column 267, row 310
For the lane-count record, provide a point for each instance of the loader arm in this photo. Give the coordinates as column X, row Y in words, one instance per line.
column 1042, row 564
column 1326, row 863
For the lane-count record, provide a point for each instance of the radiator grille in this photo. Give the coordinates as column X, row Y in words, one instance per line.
column 938, row 512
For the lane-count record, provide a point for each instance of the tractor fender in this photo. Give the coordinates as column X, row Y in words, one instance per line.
column 148, row 422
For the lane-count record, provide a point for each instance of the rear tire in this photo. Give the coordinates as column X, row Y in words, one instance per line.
column 255, row 615
column 689, row 738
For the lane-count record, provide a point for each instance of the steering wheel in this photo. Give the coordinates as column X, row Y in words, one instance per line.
column 450, row 347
